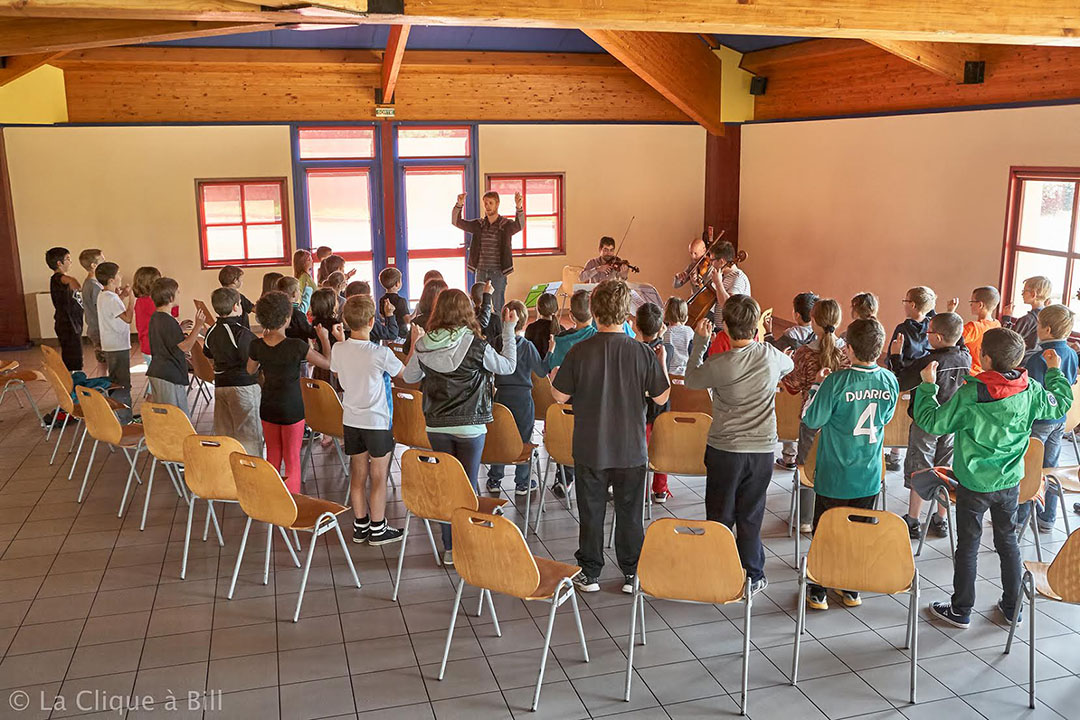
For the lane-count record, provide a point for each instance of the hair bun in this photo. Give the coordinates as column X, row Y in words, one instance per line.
column 829, row 329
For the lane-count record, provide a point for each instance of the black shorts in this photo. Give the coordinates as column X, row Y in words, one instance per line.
column 376, row 442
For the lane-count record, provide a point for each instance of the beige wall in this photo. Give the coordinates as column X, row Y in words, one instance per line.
column 882, row 204
column 131, row 192
column 613, row 172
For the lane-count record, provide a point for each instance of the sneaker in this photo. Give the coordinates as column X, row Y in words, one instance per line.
column 914, row 529
column 558, row 490
column 944, row 611
column 816, row 599
column 383, row 534
column 360, row 531
column 892, row 463
column 785, row 464
column 758, row 585
column 806, row 527
column 1076, row 508
column 628, row 584
column 494, row 488
column 136, row 419
column 308, row 433
column 850, row 599
column 448, row 558
column 584, row 583
column 532, row 487
column 661, row 497
column 938, row 527
column 1045, row 527
column 1007, row 616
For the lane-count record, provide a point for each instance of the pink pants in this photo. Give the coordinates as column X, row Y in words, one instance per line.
column 283, row 442
column 659, row 480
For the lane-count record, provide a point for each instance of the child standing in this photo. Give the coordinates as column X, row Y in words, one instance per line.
column 324, row 314
column 909, row 342
column 168, row 371
column 540, row 331
column 925, row 450
column 298, row 327
column 270, row 281
column 364, row 369
column 385, row 327
column 992, row 416
column 611, row 378
column 390, row 279
column 515, row 392
column 302, row 264
column 67, row 302
column 799, row 334
column 232, row 276
column 115, row 313
column 454, row 366
column 864, row 306
column 984, row 300
column 236, row 391
column 280, row 357
column 90, row 259
column 851, row 407
column 141, row 284
column 481, row 294
column 739, row 453
column 321, row 253
column 1036, row 294
column 650, row 324
column 678, row 336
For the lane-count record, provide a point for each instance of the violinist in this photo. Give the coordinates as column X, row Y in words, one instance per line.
column 607, row 266
column 697, row 250
column 728, row 279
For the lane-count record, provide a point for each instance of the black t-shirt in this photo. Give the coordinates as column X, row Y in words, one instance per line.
column 608, row 376
column 67, row 303
column 539, row 334
column 167, row 361
column 401, row 309
column 246, row 308
column 299, row 327
column 281, row 403
column 228, row 344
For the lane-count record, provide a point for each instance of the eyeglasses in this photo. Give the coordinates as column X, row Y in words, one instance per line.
column 908, row 302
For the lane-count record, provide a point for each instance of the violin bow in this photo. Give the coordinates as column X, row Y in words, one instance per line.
column 624, row 235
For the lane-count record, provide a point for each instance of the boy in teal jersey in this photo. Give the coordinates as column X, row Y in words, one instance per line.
column 992, row 415
column 851, row 407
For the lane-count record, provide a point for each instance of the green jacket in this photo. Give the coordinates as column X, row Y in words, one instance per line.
column 991, row 415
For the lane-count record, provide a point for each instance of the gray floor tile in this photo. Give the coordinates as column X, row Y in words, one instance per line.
column 971, row 675
column 952, row 708
column 487, row 705
column 1009, row 704
column 603, row 694
column 1060, row 695
column 389, row 688
column 781, row 703
column 680, row 681
column 317, row 698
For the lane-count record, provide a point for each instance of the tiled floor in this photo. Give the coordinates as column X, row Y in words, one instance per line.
column 93, row 615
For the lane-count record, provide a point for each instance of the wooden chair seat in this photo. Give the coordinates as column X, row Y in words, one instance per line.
column 488, row 505
column 309, row 509
column 552, row 573
column 1068, row 477
column 1040, row 572
column 131, row 434
column 526, row 453
column 805, row 480
column 9, row 366
column 810, row 577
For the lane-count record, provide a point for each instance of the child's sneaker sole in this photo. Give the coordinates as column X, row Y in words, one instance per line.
column 850, row 599
column 385, row 538
column 821, row 603
column 938, row 610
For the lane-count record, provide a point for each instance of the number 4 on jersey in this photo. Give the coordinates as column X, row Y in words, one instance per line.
column 866, row 426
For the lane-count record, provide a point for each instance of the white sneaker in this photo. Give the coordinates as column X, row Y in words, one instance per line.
column 448, row 558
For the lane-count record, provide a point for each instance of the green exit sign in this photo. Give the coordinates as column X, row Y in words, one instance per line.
column 384, row 111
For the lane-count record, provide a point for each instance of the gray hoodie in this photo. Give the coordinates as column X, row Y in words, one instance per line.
column 444, row 351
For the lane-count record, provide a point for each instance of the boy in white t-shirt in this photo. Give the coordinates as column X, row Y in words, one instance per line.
column 364, row 369
column 115, row 313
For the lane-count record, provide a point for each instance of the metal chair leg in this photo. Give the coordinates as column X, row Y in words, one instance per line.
column 211, row 514
column 307, row 569
column 431, row 537
column 450, row 632
column 491, row 607
column 914, row 635
column 800, row 623
column 266, row 558
column 59, row 438
column 86, row 475
column 288, row 546
column 547, row 642
column 52, row 423
column 146, row 501
column 577, row 621
column 630, row 646
column 748, row 607
column 82, row 439
column 798, row 524
column 341, row 457
column 931, row 508
column 1035, row 531
column 239, row 557
column 187, row 537
column 132, row 474
column 1057, row 488
column 401, row 555
column 1031, row 641
column 348, row 556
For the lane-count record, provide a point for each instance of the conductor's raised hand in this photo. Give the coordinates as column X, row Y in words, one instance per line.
column 1052, row 359
column 929, row 373
column 519, row 201
column 461, row 199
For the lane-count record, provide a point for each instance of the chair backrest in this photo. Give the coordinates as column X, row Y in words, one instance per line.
column 559, row 433
column 63, row 394
column 809, row 466
column 694, row 560
column 677, row 379
column 571, row 276
column 201, row 365
column 490, row 552
column 322, row 408
column 54, row 361
column 788, row 414
column 165, row 428
column 208, row 468
column 1031, row 483
column 896, row 431
column 261, row 491
column 409, row 423
column 502, row 443
column 677, row 443
column 862, row 551
column 101, row 422
column 541, row 395
column 1064, row 572
column 434, row 484
column 1072, row 417
column 685, row 400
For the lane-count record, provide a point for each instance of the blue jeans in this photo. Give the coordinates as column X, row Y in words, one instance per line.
column 498, row 282
column 1050, row 434
column 971, row 506
column 518, row 399
column 468, row 451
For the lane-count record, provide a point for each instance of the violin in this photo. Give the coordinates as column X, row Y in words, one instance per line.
column 698, row 269
column 704, row 298
column 619, row 262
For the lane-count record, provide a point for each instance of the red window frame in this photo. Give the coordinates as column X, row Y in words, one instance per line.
column 345, row 128
column 286, row 239
column 440, row 253
column 559, row 214
column 407, row 128
column 1017, row 177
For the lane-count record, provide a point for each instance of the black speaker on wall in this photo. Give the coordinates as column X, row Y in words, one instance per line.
column 757, row 85
column 974, row 72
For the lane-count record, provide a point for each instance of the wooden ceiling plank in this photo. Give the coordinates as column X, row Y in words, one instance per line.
column 944, row 59
column 19, row 65
column 19, row 37
column 395, row 51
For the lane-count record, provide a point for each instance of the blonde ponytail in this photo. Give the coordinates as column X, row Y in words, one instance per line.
column 826, row 314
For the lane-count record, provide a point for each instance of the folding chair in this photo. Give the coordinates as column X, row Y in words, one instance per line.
column 70, row 408
column 541, row 395
column 1066, row 479
column 1032, row 489
column 15, row 381
column 202, row 376
column 861, row 551
column 490, row 553
column 433, row 485
column 264, row 498
column 165, row 427
column 1059, row 581
column 559, row 443
column 104, row 427
column 896, row 434
column 805, row 475
column 409, row 425
column 685, row 400
column 503, row 446
column 323, row 413
column 788, row 409
column 693, row 561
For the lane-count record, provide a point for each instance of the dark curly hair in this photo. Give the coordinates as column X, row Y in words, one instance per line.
column 274, row 310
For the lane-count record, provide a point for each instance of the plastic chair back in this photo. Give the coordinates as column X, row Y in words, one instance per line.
column 502, row 443
column 208, row 468
column 677, row 443
column 261, row 491
column 166, row 427
column 408, row 422
column 559, row 434
column 434, row 484
column 692, row 560
column 322, row 408
column 490, row 552
column 861, row 551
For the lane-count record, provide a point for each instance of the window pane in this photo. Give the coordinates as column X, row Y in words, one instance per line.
column 318, row 143
column 542, row 197
column 452, row 268
column 506, row 187
column 1072, row 302
column 1029, row 264
column 430, row 195
column 221, row 204
column 542, row 233
column 433, row 142
column 363, row 272
column 1046, row 214
column 225, row 243
column 339, row 205
column 264, row 242
column 262, row 203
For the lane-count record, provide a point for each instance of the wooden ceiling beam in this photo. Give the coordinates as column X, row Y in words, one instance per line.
column 19, row 37
column 760, row 62
column 944, row 59
column 15, row 67
column 395, row 51
column 277, row 11
column 677, row 65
